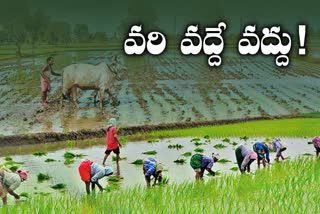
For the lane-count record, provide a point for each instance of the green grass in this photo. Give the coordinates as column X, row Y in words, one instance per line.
column 276, row 190
column 43, row 177
column 153, row 152
column 297, row 127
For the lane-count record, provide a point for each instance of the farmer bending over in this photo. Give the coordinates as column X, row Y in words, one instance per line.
column 262, row 151
column 201, row 162
column 91, row 172
column 10, row 181
column 245, row 157
column 316, row 144
column 278, row 146
column 113, row 144
column 152, row 167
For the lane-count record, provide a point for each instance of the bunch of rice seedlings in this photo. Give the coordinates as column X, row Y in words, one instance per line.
column 180, row 161
column 153, row 152
column 223, row 161
column 187, row 154
column 49, row 160
column 114, row 158
column 137, row 162
column 175, row 146
column 152, row 140
column 43, row 177
column 39, row 154
column 235, row 168
column 219, row 146
column 199, row 150
column 226, row 140
column 59, row 186
column 245, row 138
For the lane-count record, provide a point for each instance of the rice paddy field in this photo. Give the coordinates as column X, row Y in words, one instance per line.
column 289, row 186
column 165, row 89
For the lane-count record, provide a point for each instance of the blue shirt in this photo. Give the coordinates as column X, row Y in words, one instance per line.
column 260, row 146
column 206, row 162
column 150, row 165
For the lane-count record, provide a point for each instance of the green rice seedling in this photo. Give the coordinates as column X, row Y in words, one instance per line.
column 43, row 177
column 219, row 146
column 49, row 160
column 153, row 152
column 24, row 194
column 164, row 181
column 175, row 146
column 197, row 143
column 80, row 155
column 195, row 139
column 69, row 155
column 235, row 168
column 152, row 140
column 180, row 161
column 187, row 154
column 206, row 137
column 223, row 160
column 226, row 140
column 199, row 150
column 137, row 162
column 68, row 161
column 114, row 179
column 13, row 168
column 245, row 138
column 307, row 154
column 114, row 158
column 44, row 194
column 11, row 162
column 58, row 186
column 8, row 159
column 39, row 154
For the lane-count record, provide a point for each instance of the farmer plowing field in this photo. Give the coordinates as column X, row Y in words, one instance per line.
column 151, row 167
column 200, row 163
column 263, row 153
column 10, row 181
column 91, row 172
column 245, row 157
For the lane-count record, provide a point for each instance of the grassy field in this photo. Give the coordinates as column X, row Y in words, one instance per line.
column 290, row 187
column 298, row 127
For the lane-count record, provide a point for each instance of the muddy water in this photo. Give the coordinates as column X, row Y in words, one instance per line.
column 132, row 174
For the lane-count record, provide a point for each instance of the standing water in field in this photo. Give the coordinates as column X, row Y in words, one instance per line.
column 61, row 163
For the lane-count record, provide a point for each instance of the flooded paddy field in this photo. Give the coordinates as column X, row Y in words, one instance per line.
column 62, row 170
column 165, row 89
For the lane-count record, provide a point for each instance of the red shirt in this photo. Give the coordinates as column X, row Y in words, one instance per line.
column 85, row 169
column 112, row 142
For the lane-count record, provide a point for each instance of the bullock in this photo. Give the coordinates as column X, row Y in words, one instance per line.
column 99, row 77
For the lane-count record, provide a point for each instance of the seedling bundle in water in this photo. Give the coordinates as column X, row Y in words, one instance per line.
column 49, row 160
column 199, row 150
column 175, row 146
column 187, row 154
column 153, row 141
column 39, row 154
column 223, row 161
column 137, row 162
column 58, row 186
column 43, row 177
column 153, row 152
column 180, row 161
column 114, row 158
column 219, row 146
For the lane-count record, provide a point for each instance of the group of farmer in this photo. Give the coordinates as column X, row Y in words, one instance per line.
column 90, row 172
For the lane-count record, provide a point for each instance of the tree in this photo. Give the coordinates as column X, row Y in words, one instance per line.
column 81, row 32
